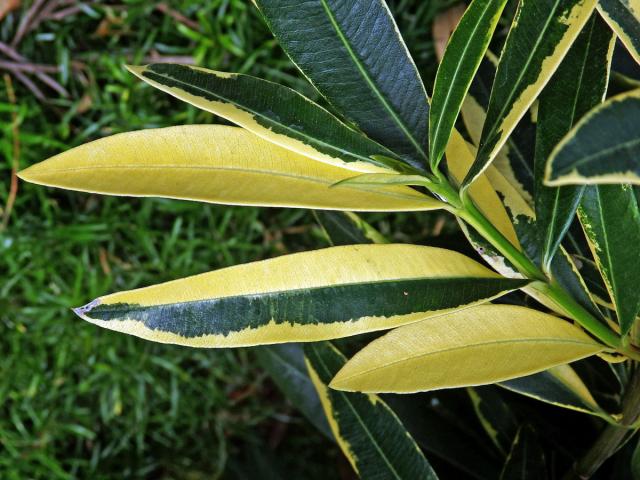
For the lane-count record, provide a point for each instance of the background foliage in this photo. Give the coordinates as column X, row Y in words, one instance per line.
column 81, row 402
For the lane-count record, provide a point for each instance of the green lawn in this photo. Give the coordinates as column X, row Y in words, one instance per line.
column 81, row 402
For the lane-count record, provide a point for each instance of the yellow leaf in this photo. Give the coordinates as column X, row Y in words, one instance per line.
column 459, row 160
column 216, row 164
column 476, row 346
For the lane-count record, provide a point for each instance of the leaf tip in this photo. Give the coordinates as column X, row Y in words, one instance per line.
column 29, row 174
column 137, row 70
column 341, row 382
column 23, row 175
column 85, row 309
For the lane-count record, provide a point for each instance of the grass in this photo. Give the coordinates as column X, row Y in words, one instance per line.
column 81, row 402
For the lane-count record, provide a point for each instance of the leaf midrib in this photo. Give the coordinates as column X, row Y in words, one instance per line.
column 492, row 132
column 358, row 418
column 574, row 106
column 369, row 80
column 468, row 345
column 445, row 103
column 377, row 190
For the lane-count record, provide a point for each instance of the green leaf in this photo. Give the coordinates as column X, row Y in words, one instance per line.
column 443, row 351
column 274, row 112
column 347, row 228
column 495, row 415
column 563, row 268
column 461, row 60
column 526, row 458
column 604, row 147
column 579, row 84
column 384, row 179
column 285, row 364
column 370, row 435
column 589, row 271
column 635, row 462
column 560, row 386
column 611, row 221
column 329, row 293
column 541, row 34
column 624, row 18
column 352, row 52
column 216, row 164
column 436, row 423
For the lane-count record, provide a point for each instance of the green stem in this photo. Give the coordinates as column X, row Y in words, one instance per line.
column 470, row 214
column 466, row 210
column 613, row 436
column 598, row 329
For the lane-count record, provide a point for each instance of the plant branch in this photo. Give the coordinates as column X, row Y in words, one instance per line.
column 467, row 211
column 613, row 436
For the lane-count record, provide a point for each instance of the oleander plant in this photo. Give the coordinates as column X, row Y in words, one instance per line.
column 525, row 366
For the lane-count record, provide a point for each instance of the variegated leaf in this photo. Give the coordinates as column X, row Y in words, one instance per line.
column 370, row 435
column 541, row 34
column 323, row 294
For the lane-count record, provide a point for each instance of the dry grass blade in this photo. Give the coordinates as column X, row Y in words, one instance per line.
column 27, row 82
column 15, row 133
column 444, row 25
column 177, row 16
column 27, row 21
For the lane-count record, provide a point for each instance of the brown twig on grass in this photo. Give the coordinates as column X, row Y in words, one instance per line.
column 15, row 164
column 28, row 67
column 27, row 82
column 19, row 66
column 164, row 8
column 27, row 21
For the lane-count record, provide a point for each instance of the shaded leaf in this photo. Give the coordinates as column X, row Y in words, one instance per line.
column 635, row 462
column 526, row 458
column 604, row 147
column 353, row 54
column 579, row 84
column 560, row 386
column 370, row 435
column 437, row 426
column 496, row 417
column 347, row 228
column 285, row 365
